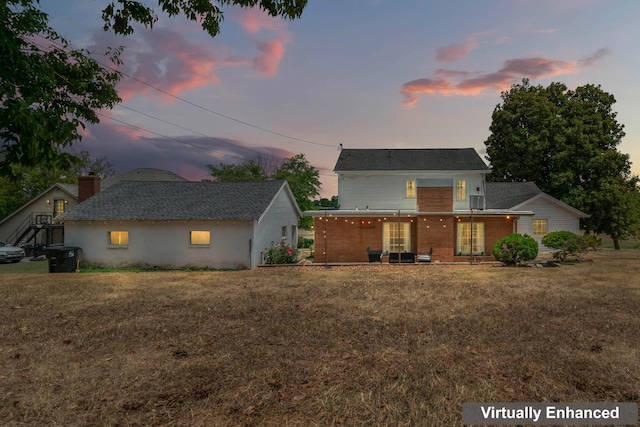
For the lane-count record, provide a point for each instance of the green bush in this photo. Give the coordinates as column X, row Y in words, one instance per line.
column 304, row 243
column 591, row 241
column 280, row 253
column 515, row 249
column 566, row 244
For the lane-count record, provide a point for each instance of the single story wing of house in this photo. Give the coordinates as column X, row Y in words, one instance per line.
column 407, row 203
column 183, row 224
column 34, row 222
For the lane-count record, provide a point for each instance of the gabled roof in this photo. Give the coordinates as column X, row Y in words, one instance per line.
column 142, row 174
column 506, row 195
column 70, row 189
column 410, row 159
column 180, row 200
column 516, row 195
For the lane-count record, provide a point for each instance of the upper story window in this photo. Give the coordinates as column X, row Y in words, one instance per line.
column 461, row 190
column 410, row 189
column 540, row 227
column 200, row 238
column 119, row 238
column 58, row 207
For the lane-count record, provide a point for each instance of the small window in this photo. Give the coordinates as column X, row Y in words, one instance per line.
column 201, row 238
column 119, row 238
column 284, row 232
column 58, row 207
column 540, row 227
column 461, row 190
column 410, row 189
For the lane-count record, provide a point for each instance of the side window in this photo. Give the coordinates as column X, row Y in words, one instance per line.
column 200, row 238
column 119, row 238
column 540, row 227
column 410, row 189
column 461, row 190
column 284, row 232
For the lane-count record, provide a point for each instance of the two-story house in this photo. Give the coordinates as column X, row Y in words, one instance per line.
column 419, row 201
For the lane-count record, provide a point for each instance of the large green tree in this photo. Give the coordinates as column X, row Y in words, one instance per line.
column 302, row 177
column 566, row 142
column 49, row 91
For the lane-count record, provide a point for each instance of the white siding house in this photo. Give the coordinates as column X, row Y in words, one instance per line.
column 549, row 213
column 182, row 224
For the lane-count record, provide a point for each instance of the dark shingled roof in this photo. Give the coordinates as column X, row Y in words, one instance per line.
column 178, row 200
column 410, row 159
column 142, row 174
column 505, row 195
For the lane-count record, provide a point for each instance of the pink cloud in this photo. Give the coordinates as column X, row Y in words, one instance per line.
column 447, row 83
column 271, row 53
column 454, row 52
column 254, row 19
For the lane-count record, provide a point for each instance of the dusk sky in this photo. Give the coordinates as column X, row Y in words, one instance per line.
column 362, row 73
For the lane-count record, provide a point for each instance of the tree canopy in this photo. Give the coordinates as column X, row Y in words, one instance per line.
column 119, row 14
column 49, row 91
column 566, row 142
column 302, row 177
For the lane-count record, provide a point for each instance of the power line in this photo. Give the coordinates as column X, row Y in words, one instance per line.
column 199, row 106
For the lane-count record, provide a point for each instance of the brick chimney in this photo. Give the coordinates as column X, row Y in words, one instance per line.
column 88, row 186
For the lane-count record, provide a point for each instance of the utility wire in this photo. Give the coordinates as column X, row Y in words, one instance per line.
column 199, row 106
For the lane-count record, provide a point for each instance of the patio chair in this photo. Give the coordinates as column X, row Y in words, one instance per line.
column 425, row 258
column 374, row 256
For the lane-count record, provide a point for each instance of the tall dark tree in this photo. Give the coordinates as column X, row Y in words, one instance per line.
column 566, row 142
column 47, row 90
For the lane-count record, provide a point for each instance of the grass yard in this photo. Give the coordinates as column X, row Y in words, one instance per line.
column 375, row 345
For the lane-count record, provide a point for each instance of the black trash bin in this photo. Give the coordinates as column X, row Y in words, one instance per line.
column 63, row 259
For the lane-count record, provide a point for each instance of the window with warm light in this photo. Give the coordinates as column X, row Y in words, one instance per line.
column 410, row 189
column 540, row 227
column 119, row 238
column 464, row 240
column 200, row 238
column 58, row 207
column 461, row 190
column 396, row 237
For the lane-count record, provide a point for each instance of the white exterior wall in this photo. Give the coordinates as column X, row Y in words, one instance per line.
column 281, row 213
column 38, row 205
column 387, row 190
column 163, row 243
column 558, row 219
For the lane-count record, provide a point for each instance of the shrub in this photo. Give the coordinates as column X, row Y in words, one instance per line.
column 591, row 241
column 566, row 244
column 304, row 243
column 280, row 253
column 515, row 249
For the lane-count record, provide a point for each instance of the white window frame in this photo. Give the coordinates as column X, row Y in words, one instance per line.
column 461, row 190
column 200, row 238
column 284, row 232
column 390, row 236
column 535, row 230
column 463, row 238
column 116, row 238
column 410, row 189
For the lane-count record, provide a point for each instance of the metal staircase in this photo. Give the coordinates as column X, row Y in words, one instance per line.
column 30, row 229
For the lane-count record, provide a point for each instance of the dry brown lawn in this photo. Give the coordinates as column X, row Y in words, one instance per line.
column 372, row 345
